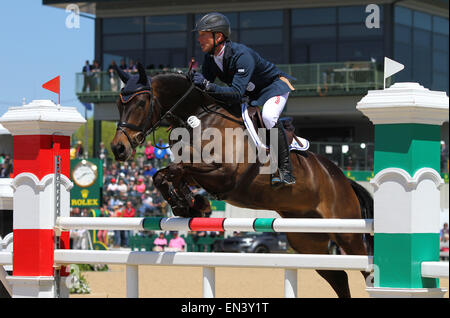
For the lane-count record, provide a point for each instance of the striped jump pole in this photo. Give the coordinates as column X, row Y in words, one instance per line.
column 407, row 119
column 41, row 134
column 219, row 224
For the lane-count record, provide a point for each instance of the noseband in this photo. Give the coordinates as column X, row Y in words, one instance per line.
column 141, row 129
column 123, row 124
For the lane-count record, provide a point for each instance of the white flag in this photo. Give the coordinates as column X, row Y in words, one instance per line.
column 391, row 67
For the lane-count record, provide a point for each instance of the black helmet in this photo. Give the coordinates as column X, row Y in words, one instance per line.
column 214, row 22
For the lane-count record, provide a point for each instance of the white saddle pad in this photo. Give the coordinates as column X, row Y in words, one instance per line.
column 259, row 144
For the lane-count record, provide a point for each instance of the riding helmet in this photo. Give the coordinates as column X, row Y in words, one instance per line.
column 214, row 22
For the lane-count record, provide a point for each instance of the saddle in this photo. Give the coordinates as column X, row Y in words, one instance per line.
column 255, row 115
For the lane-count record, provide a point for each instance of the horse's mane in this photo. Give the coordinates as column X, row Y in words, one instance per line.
column 168, row 72
column 211, row 99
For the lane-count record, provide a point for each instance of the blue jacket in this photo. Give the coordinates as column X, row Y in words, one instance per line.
column 241, row 66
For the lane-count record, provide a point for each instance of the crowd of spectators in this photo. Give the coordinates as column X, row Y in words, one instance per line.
column 94, row 79
column 128, row 190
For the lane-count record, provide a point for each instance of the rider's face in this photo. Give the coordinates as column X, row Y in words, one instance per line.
column 205, row 40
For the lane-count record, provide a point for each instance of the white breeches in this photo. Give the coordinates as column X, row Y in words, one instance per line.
column 272, row 109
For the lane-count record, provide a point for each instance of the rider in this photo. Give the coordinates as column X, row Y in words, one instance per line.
column 246, row 73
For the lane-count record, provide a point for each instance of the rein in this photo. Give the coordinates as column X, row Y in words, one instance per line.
column 169, row 114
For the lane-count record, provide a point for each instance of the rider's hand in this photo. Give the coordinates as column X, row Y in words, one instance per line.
column 200, row 81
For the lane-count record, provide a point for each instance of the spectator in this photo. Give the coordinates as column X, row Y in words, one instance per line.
column 102, row 235
column 129, row 211
column 177, row 243
column 132, row 68
column 78, row 237
column 5, row 170
column 444, row 157
column 149, row 170
column 120, row 237
column 147, row 206
column 150, row 153
column 123, row 66
column 133, row 170
column 113, row 188
column 102, row 153
column 79, row 150
column 113, row 78
column 75, row 212
column 444, row 249
column 124, row 169
column 160, row 243
column 140, row 155
column 122, row 187
column 444, row 231
column 87, row 76
column 140, row 187
column 96, row 76
column 160, row 153
column 157, row 201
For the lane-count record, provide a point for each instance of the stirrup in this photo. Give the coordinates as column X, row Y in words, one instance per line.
column 277, row 181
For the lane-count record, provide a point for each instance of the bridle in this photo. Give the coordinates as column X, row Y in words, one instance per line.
column 143, row 133
column 141, row 129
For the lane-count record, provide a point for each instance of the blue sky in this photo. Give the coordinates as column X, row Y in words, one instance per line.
column 36, row 46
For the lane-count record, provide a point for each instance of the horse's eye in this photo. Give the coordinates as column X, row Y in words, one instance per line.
column 141, row 103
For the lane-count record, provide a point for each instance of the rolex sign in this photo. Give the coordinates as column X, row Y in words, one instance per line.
column 87, row 178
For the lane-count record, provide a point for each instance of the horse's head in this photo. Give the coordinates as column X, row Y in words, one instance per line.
column 135, row 106
column 145, row 103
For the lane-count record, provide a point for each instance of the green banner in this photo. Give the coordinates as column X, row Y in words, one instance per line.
column 87, row 178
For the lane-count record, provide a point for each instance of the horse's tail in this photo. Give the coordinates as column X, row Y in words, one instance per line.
column 366, row 204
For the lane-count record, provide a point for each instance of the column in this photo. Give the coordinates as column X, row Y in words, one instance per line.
column 41, row 130
column 407, row 119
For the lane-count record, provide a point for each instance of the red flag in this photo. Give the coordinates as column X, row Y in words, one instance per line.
column 53, row 85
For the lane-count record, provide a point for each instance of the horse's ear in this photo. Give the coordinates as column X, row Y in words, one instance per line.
column 123, row 76
column 142, row 74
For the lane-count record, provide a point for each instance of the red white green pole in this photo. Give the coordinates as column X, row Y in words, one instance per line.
column 407, row 119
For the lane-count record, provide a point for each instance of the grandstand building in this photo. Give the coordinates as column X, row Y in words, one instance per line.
column 334, row 49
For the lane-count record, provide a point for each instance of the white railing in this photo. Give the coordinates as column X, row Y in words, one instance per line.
column 209, row 261
column 232, row 224
column 435, row 269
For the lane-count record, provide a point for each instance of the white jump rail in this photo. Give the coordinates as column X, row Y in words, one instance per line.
column 209, row 261
column 230, row 224
column 435, row 269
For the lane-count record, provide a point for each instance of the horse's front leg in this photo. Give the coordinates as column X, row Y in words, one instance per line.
column 163, row 181
column 174, row 188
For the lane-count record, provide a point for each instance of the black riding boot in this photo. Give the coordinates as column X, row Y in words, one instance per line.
column 285, row 176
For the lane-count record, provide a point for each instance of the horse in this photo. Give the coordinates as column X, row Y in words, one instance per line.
column 321, row 190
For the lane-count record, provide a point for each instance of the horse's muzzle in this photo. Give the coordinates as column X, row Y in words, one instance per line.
column 120, row 151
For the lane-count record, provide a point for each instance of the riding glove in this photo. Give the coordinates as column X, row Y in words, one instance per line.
column 200, row 81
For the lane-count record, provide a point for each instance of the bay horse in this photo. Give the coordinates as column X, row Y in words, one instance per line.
column 321, row 191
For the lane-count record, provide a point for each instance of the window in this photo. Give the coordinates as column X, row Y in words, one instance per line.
column 440, row 25
column 421, row 44
column 313, row 16
column 260, row 19
column 313, row 35
column 166, row 23
column 121, row 42
column 403, row 16
column 261, row 36
column 263, row 32
column 166, row 41
column 422, row 20
column 123, row 25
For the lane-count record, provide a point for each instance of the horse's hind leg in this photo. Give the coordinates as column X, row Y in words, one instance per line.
column 306, row 243
column 352, row 244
